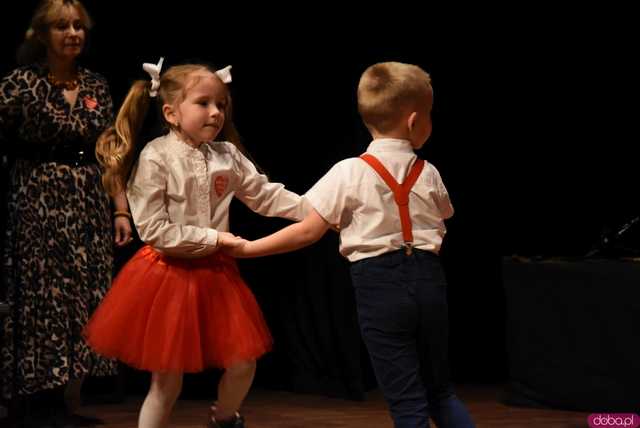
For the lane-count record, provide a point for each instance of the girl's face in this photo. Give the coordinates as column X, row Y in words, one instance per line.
column 200, row 115
column 66, row 35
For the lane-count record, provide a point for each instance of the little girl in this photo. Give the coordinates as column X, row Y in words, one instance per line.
column 179, row 305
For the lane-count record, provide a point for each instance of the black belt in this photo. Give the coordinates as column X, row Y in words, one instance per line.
column 73, row 153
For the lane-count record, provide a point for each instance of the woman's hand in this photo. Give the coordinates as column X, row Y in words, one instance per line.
column 122, row 230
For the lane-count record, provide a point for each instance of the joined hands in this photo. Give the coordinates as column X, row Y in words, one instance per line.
column 230, row 243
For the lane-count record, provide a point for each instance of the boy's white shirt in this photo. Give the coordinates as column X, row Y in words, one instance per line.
column 179, row 195
column 354, row 196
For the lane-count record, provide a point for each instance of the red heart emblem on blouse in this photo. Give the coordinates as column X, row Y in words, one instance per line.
column 220, row 184
column 90, row 103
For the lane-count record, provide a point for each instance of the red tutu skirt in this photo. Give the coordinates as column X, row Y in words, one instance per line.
column 166, row 314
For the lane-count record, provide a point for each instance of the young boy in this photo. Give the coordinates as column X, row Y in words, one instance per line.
column 392, row 234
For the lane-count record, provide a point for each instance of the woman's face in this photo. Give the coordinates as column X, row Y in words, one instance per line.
column 66, row 35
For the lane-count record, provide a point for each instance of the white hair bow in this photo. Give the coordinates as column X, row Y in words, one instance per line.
column 224, row 74
column 154, row 72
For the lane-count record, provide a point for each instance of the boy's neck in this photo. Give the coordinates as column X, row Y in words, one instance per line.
column 399, row 132
column 397, row 135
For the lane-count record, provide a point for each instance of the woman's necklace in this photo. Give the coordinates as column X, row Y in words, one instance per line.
column 69, row 85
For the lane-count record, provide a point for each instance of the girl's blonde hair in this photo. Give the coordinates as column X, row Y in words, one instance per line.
column 116, row 147
column 33, row 48
column 389, row 90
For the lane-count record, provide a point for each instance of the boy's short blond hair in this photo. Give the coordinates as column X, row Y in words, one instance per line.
column 389, row 90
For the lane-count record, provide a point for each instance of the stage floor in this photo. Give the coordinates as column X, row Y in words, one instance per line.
column 276, row 409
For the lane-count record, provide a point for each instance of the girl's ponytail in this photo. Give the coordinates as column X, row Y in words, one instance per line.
column 115, row 148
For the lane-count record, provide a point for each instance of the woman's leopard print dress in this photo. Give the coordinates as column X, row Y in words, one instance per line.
column 58, row 252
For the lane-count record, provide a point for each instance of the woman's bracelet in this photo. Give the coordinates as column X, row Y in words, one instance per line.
column 122, row 214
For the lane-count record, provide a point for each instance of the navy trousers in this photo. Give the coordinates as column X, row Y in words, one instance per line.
column 402, row 310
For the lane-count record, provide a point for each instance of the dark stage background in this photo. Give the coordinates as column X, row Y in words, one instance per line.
column 533, row 136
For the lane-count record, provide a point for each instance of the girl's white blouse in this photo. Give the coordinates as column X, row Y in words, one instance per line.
column 179, row 195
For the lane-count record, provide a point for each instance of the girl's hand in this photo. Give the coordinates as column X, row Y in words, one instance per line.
column 122, row 229
column 228, row 240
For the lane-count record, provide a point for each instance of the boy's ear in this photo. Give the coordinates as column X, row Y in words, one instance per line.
column 411, row 121
column 169, row 114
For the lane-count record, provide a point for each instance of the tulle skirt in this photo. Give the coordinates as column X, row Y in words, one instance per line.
column 168, row 314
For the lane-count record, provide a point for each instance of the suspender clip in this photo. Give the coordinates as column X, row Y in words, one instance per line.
column 408, row 248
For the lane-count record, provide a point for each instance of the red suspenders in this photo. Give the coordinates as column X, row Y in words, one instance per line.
column 400, row 193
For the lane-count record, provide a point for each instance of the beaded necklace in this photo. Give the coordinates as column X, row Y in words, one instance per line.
column 69, row 85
